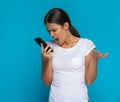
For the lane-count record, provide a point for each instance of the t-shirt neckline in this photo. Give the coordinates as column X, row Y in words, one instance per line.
column 71, row 48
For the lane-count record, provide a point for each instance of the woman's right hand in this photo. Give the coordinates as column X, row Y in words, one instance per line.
column 46, row 53
column 47, row 71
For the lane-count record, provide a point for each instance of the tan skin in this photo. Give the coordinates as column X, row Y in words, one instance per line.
column 67, row 40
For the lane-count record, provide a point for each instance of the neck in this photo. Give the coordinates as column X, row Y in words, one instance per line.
column 70, row 41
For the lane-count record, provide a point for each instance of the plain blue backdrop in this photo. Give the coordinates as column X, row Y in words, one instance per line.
column 20, row 59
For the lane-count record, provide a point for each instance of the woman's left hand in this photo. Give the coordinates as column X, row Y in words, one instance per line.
column 98, row 54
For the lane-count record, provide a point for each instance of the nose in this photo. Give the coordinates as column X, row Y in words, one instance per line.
column 51, row 34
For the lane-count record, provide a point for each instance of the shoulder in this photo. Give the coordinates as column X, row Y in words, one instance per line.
column 86, row 40
column 87, row 45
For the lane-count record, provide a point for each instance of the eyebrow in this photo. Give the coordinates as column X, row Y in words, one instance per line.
column 52, row 29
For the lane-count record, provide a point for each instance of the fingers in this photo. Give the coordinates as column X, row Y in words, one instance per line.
column 46, row 50
column 98, row 54
column 103, row 55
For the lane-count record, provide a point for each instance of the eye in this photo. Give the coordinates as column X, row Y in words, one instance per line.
column 54, row 30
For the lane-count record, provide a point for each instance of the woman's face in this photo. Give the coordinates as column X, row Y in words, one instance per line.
column 58, row 32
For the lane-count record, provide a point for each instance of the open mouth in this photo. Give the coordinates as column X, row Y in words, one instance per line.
column 56, row 39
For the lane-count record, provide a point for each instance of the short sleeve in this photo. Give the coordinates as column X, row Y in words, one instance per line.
column 89, row 46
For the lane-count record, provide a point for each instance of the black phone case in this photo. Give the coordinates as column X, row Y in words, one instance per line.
column 39, row 41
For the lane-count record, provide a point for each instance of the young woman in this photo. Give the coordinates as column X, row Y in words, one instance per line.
column 71, row 64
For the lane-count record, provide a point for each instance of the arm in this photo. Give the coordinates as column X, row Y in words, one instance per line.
column 91, row 61
column 47, row 72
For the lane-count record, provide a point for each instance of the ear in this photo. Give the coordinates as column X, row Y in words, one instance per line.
column 66, row 25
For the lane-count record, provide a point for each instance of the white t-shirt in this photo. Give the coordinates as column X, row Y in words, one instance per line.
column 68, row 84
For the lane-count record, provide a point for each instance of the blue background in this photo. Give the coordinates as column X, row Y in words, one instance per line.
column 20, row 59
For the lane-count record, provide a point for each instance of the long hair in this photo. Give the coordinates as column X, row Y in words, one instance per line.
column 59, row 16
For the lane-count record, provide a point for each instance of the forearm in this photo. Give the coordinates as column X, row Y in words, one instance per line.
column 91, row 72
column 47, row 72
column 91, row 62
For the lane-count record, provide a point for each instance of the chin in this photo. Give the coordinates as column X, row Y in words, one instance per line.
column 60, row 44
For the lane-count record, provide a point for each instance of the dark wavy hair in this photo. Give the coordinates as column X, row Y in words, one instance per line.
column 59, row 16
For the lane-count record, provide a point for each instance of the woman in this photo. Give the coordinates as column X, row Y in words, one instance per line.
column 71, row 64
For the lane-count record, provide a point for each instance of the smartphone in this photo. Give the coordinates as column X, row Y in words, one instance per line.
column 39, row 41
